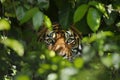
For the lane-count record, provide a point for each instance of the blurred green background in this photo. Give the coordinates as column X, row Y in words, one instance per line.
column 22, row 57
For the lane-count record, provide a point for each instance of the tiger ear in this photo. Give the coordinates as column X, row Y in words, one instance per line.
column 76, row 31
column 41, row 33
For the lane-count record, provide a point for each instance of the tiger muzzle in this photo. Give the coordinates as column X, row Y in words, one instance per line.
column 61, row 48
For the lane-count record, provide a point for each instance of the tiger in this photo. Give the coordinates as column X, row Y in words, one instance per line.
column 66, row 43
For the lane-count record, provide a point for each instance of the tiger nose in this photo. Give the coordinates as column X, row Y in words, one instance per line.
column 60, row 51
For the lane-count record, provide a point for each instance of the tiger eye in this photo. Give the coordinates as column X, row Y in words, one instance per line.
column 49, row 40
column 70, row 40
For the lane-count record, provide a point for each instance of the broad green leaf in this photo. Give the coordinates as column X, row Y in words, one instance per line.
column 84, row 29
column 13, row 44
column 80, row 12
column 38, row 20
column 4, row 24
column 28, row 15
column 20, row 12
column 93, row 19
column 100, row 7
column 47, row 22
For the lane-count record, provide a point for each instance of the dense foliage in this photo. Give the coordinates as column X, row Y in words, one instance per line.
column 22, row 57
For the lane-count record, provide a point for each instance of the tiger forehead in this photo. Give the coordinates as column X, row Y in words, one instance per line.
column 57, row 28
column 56, row 33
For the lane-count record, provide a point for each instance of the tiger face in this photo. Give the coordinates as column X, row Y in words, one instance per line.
column 64, row 43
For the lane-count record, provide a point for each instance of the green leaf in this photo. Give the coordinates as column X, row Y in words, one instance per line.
column 20, row 13
column 67, row 73
column 43, row 4
column 38, row 20
column 4, row 24
column 100, row 7
column 52, row 76
column 118, row 24
column 78, row 62
column 13, row 44
column 47, row 22
column 22, row 77
column 29, row 14
column 80, row 12
column 107, row 61
column 93, row 19
column 116, row 60
column 112, row 18
column 2, row 1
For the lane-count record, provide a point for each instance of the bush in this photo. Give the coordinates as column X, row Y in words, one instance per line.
column 24, row 58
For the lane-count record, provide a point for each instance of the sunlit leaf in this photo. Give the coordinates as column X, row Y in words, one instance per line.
column 67, row 73
column 89, row 40
column 28, row 15
column 95, row 37
column 64, row 63
column 92, row 38
column 22, row 77
column 20, row 12
column 104, row 34
column 38, row 20
column 4, row 24
column 42, row 56
column 100, row 7
column 110, row 47
column 56, row 59
column 14, row 44
column 93, row 19
column 2, row 1
column 78, row 62
column 54, row 67
column 107, row 61
column 52, row 53
column 116, row 60
column 118, row 24
column 47, row 22
column 52, row 76
column 80, row 12
column 45, row 66
column 41, row 71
